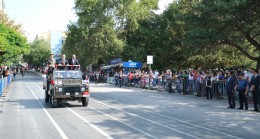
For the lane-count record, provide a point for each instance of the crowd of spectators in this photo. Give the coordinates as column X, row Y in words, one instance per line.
column 207, row 83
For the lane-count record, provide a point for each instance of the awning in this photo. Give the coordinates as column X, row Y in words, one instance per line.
column 132, row 65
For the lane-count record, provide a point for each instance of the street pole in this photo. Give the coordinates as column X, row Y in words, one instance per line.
column 149, row 76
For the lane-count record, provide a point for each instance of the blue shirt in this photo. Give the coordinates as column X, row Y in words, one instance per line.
column 242, row 84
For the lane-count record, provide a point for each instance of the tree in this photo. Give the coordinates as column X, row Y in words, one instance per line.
column 100, row 32
column 39, row 53
column 6, row 21
column 12, row 45
column 219, row 23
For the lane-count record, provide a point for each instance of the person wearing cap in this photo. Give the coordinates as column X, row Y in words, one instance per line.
column 230, row 85
column 242, row 87
column 51, row 65
column 254, row 88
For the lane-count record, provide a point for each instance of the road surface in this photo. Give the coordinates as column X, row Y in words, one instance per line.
column 120, row 113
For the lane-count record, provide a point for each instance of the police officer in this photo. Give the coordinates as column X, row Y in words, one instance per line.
column 242, row 87
column 254, row 89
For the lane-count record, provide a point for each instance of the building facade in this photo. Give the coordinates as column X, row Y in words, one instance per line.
column 2, row 5
column 55, row 40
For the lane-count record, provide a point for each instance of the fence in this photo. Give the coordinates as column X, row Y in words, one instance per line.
column 4, row 83
column 199, row 88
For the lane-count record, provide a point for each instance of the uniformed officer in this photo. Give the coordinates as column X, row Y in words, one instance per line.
column 242, row 87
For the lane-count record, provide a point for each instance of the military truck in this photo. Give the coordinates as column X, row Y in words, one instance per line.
column 65, row 85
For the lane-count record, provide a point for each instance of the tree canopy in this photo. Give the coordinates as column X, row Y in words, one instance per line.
column 215, row 33
column 12, row 45
column 39, row 53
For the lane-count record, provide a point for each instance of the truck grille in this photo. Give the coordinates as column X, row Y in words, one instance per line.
column 72, row 89
column 71, row 82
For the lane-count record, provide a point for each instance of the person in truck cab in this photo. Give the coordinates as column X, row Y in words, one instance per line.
column 74, row 61
column 63, row 62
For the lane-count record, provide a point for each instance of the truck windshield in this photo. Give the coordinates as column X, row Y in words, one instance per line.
column 67, row 74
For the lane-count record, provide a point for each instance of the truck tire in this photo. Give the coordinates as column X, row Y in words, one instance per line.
column 85, row 101
column 47, row 96
column 54, row 102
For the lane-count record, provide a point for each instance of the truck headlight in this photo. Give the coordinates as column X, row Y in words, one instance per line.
column 83, row 89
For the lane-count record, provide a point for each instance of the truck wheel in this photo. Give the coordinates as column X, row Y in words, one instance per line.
column 54, row 102
column 85, row 101
column 47, row 96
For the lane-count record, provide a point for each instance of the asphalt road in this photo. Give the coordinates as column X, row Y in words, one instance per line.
column 121, row 113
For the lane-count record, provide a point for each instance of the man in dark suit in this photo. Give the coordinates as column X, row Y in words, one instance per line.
column 230, row 85
column 254, row 88
column 63, row 62
column 74, row 62
column 257, row 88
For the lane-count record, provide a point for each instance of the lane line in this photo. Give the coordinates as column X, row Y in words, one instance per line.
column 121, row 121
column 89, row 123
column 63, row 135
column 86, row 121
column 181, row 121
column 135, row 115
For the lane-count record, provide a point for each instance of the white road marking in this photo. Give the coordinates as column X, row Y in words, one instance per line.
column 135, row 115
column 139, row 130
column 182, row 121
column 89, row 123
column 63, row 135
column 86, row 121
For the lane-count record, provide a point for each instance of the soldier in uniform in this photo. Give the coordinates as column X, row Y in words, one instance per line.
column 51, row 64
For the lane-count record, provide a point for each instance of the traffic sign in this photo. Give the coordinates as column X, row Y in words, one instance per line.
column 149, row 59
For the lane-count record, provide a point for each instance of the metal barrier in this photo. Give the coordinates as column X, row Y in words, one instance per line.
column 198, row 87
column 4, row 83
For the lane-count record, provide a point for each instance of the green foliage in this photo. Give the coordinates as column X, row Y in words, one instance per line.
column 102, row 27
column 207, row 33
column 12, row 45
column 39, row 53
column 6, row 21
column 219, row 23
